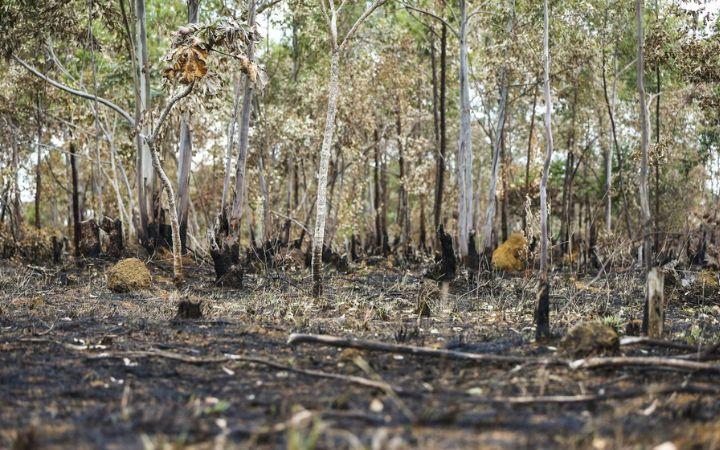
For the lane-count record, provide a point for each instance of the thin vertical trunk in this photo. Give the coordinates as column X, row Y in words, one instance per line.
column 229, row 145
column 144, row 170
column 644, row 138
column 495, row 169
column 239, row 200
column 487, row 244
column 506, row 158
column 607, row 154
column 16, row 209
column 403, row 218
column 465, row 154
column 529, row 152
column 266, row 223
column 122, row 210
column 75, row 200
column 97, row 168
column 644, row 142
column 185, row 150
column 38, row 177
column 657, row 164
column 321, row 203
column 610, row 104
column 542, row 313
column 376, row 192
column 568, row 202
column 442, row 150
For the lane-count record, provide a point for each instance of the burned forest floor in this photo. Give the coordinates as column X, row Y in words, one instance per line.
column 83, row 367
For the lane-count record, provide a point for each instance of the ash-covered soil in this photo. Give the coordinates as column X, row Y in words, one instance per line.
column 82, row 367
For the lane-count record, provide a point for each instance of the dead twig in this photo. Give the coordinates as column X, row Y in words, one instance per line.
column 378, row 346
column 643, row 340
column 657, row 363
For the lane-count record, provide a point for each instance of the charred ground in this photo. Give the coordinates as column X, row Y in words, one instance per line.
column 73, row 372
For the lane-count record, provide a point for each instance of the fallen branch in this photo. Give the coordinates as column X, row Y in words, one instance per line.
column 658, row 363
column 377, row 346
column 643, row 340
column 398, row 390
column 588, row 398
column 195, row 360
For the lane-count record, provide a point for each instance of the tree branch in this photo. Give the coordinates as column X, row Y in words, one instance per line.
column 376, row 4
column 76, row 92
column 163, row 116
column 267, row 5
column 434, row 16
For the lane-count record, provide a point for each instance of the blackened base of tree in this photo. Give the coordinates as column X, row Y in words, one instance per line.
column 445, row 266
column 542, row 309
column 90, row 239
column 113, row 228
column 187, row 310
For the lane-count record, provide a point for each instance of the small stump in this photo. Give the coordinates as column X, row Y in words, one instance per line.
column 189, row 310
column 589, row 338
column 128, row 275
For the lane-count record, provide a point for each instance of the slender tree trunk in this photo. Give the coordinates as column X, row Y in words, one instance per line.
column 75, row 200
column 568, row 210
column 17, row 208
column 174, row 221
column 487, row 244
column 657, row 163
column 442, row 149
column 644, row 138
column 243, row 145
column 403, row 216
column 185, row 150
column 465, row 153
column 229, row 145
column 38, row 176
column 144, row 170
column 607, row 153
column 611, row 112
column 122, row 210
column 542, row 313
column 506, row 159
column 266, row 221
column 495, row 169
column 644, row 142
column 321, row 203
column 529, row 152
column 379, row 244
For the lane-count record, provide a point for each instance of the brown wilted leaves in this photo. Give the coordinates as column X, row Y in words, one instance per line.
column 188, row 64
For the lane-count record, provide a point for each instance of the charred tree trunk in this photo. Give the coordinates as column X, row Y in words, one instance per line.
column 113, row 228
column 442, row 144
column 90, row 239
